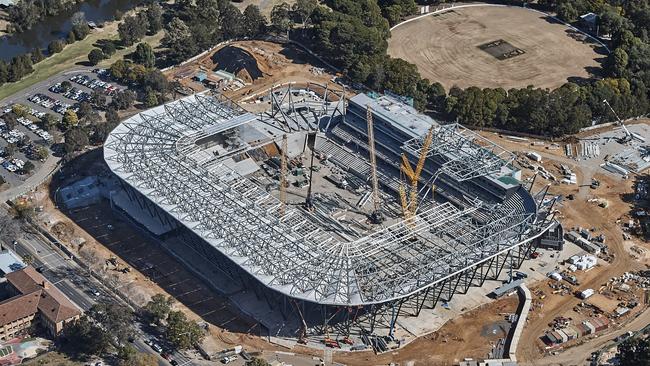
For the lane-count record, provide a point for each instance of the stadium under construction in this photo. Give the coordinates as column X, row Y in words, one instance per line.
column 337, row 230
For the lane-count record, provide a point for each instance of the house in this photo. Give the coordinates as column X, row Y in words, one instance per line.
column 33, row 298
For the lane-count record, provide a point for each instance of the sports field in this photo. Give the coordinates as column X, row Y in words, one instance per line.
column 489, row 46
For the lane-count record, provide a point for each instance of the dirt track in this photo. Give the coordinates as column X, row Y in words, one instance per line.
column 445, row 48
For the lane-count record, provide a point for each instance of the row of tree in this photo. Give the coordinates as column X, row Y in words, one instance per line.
column 353, row 36
column 25, row 13
column 22, row 65
column 110, row 328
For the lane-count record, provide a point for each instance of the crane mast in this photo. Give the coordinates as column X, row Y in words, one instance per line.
column 410, row 204
column 283, row 175
column 376, row 216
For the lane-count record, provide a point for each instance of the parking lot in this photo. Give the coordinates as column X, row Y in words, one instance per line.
column 63, row 92
column 26, row 142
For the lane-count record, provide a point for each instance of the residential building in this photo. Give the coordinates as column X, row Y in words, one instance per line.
column 33, row 298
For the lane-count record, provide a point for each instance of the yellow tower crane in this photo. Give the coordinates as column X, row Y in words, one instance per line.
column 283, row 175
column 409, row 204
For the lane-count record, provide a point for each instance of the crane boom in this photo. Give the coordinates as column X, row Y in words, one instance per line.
column 628, row 135
column 283, row 175
column 410, row 204
column 376, row 214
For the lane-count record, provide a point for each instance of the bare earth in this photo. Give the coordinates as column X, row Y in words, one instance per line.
column 445, row 48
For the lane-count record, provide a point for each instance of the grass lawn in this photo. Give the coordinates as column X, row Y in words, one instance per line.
column 70, row 56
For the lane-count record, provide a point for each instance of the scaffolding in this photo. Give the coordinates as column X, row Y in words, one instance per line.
column 156, row 154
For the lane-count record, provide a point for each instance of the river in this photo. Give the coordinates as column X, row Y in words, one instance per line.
column 56, row 27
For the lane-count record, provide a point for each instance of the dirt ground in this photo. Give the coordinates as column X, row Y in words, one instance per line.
column 449, row 52
column 578, row 212
column 466, row 336
column 105, row 235
column 273, row 64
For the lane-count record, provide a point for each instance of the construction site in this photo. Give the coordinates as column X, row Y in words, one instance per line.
column 333, row 221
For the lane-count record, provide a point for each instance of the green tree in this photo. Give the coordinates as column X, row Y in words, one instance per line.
column 80, row 31
column 108, row 47
column 159, row 307
column 112, row 118
column 84, row 337
column 66, row 85
column 75, row 139
column 95, row 56
column 70, row 119
column 42, row 153
column 55, row 46
column 254, row 21
column 132, row 29
column 71, row 37
column 123, row 99
column 634, row 352
column 232, row 22
column 151, row 100
column 567, row 12
column 281, row 17
column 10, row 150
column 181, row 332
column 28, row 167
column 303, row 10
column 619, row 62
column 154, row 18
column 49, row 122
column 116, row 319
column 37, row 55
column 98, row 99
column 179, row 40
column 19, row 67
column 144, row 55
column 4, row 72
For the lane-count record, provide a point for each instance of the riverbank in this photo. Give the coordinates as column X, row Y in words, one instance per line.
column 74, row 55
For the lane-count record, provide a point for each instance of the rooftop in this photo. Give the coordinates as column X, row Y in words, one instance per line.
column 10, row 262
column 52, row 303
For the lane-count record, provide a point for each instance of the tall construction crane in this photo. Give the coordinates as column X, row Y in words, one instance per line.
column 376, row 217
column 410, row 204
column 629, row 136
column 283, row 175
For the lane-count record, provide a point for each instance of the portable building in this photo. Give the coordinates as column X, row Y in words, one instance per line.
column 590, row 326
column 586, row 293
column 571, row 332
column 583, row 329
column 563, row 336
column 534, row 156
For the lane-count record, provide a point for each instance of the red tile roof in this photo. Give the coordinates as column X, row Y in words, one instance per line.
column 52, row 303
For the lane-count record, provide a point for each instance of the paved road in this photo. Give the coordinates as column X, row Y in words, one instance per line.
column 76, row 283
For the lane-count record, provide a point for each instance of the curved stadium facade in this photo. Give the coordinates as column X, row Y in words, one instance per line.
column 192, row 165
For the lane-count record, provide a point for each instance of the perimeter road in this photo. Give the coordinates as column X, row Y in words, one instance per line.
column 76, row 284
